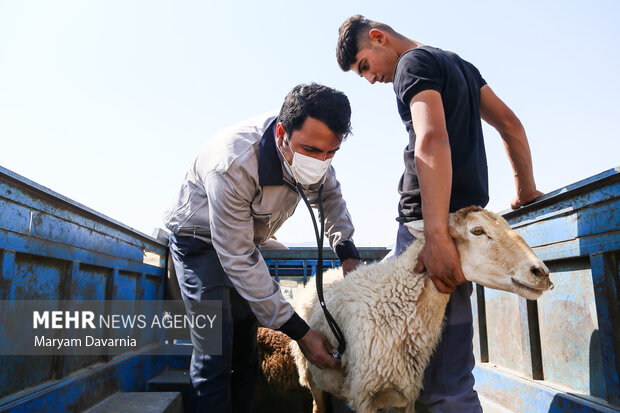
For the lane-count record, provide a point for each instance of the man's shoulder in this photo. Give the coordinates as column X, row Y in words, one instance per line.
column 249, row 130
column 234, row 150
column 239, row 141
column 422, row 55
column 421, row 61
column 417, row 69
column 427, row 63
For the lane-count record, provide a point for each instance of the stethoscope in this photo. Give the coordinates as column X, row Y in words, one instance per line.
column 342, row 344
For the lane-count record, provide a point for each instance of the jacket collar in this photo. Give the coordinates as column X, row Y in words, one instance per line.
column 269, row 162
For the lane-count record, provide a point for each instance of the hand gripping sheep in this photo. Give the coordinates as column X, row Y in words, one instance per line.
column 392, row 318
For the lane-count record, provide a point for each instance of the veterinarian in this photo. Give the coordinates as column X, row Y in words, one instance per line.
column 441, row 99
column 235, row 196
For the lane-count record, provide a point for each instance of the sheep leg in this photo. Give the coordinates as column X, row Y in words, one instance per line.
column 410, row 408
column 318, row 404
column 366, row 406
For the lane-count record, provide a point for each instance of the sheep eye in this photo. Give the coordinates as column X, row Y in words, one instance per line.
column 477, row 231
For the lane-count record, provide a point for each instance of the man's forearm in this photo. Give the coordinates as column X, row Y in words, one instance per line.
column 434, row 167
column 439, row 257
column 497, row 114
column 518, row 150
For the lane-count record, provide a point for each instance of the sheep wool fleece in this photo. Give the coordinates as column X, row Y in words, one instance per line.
column 376, row 305
column 448, row 379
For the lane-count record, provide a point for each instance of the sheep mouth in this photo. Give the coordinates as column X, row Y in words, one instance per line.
column 528, row 287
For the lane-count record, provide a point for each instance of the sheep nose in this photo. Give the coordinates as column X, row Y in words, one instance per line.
column 539, row 271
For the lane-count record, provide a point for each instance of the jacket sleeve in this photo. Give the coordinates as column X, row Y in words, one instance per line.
column 232, row 235
column 338, row 225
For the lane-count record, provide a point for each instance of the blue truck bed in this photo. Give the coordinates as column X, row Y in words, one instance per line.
column 559, row 354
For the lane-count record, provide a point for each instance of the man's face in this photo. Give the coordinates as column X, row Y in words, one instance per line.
column 313, row 139
column 376, row 62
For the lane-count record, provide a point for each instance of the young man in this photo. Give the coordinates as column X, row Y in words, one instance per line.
column 235, row 196
column 441, row 99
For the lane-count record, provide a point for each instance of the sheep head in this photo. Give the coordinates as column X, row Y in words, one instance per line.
column 492, row 254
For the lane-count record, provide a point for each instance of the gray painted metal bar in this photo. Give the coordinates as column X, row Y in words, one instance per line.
column 302, row 261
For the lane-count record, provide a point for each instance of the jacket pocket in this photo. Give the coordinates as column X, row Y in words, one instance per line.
column 260, row 216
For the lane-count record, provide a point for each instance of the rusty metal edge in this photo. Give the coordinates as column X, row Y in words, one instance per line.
column 56, row 197
column 568, row 191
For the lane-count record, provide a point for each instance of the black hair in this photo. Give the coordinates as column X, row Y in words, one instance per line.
column 352, row 36
column 323, row 103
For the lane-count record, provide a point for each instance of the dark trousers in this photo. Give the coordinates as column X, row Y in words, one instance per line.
column 227, row 382
column 448, row 379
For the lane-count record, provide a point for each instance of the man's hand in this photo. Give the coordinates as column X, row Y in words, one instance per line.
column 525, row 198
column 349, row 265
column 318, row 351
column 442, row 263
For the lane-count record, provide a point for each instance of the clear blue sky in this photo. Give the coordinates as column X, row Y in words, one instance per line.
column 108, row 102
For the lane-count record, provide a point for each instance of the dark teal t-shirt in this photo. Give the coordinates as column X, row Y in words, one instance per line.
column 459, row 83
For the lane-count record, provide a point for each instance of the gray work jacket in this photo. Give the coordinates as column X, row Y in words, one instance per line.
column 236, row 195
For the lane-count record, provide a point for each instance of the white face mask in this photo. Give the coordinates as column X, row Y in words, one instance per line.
column 305, row 169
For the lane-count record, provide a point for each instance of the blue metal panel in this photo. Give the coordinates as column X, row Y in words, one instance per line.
column 124, row 373
column 526, row 396
column 606, row 274
column 590, row 191
column 297, row 267
column 303, row 262
column 32, row 278
column 90, row 283
column 23, row 220
column 36, row 278
column 569, row 330
column 570, row 226
column 580, row 247
column 78, row 282
column 35, row 246
column 54, row 248
column 19, row 372
column 504, row 330
column 125, row 286
column 22, row 191
column 300, row 253
column 570, row 336
column 7, row 269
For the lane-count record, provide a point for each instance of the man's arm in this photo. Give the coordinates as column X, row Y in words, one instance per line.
column 434, row 166
column 232, row 233
column 497, row 114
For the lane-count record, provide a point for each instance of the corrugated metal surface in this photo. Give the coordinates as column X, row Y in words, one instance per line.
column 52, row 248
column 567, row 343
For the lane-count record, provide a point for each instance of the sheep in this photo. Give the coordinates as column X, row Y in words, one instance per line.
column 278, row 387
column 392, row 318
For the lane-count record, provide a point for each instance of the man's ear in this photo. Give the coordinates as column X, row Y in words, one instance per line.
column 280, row 133
column 416, row 228
column 377, row 36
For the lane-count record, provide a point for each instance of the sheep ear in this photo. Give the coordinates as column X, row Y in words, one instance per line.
column 416, row 228
column 452, row 225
